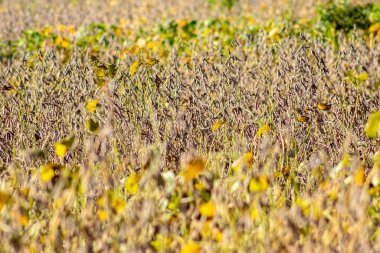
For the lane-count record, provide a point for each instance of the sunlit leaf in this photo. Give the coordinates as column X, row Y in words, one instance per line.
column 191, row 247
column 243, row 162
column 207, row 209
column 102, row 214
column 262, row 130
column 218, row 124
column 4, row 198
column 274, row 32
column 100, row 72
column 374, row 28
column 359, row 176
column 193, row 167
column 254, row 213
column 132, row 183
column 363, row 76
column 91, row 105
column 62, row 147
column 134, row 49
column 183, row 23
column 151, row 61
column 303, row 119
column 47, row 172
column 101, row 201
column 65, row 43
column 22, row 219
column 258, row 184
column 323, row 106
column 160, row 242
column 134, row 67
column 303, row 205
column 118, row 205
column 372, row 126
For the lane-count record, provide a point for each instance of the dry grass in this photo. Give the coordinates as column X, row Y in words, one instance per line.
column 159, row 173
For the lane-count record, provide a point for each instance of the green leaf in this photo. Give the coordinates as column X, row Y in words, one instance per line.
column 92, row 126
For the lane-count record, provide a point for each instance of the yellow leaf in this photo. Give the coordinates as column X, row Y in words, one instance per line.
column 374, row 28
column 183, row 23
column 187, row 60
column 71, row 29
column 303, row 205
column 372, row 126
column 132, row 183
column 22, row 219
column 4, row 197
column 65, row 43
column 207, row 209
column 273, row 32
column 217, row 125
column 191, row 247
column 219, row 236
column 323, row 106
column 46, row 31
column 135, row 65
column 150, row 45
column 63, row 146
column 206, row 230
column 100, row 72
column 151, row 61
column 363, row 76
column 101, row 201
column 263, row 6
column 91, row 105
column 262, row 130
column 346, row 160
column 303, row 119
column 60, row 149
column 161, row 242
column 134, row 49
column 257, row 185
column 254, row 213
column 102, row 214
column 118, row 205
column 304, row 20
column 118, row 31
column 61, row 28
column 58, row 41
column 47, row 172
column 193, row 167
column 243, row 162
column 360, row 176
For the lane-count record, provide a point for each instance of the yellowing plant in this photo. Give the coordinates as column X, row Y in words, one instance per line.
column 91, row 105
column 191, row 247
column 243, row 162
column 193, row 166
column 62, row 147
column 135, row 65
column 132, row 184
column 262, row 130
column 207, row 209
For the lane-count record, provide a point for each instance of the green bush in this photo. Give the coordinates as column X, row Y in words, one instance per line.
column 225, row 3
column 346, row 17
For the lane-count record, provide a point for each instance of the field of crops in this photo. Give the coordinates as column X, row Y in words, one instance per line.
column 189, row 126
